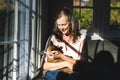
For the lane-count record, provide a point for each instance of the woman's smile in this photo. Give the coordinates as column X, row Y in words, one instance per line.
column 65, row 30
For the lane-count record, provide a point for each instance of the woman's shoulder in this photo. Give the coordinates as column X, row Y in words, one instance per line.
column 82, row 37
column 53, row 37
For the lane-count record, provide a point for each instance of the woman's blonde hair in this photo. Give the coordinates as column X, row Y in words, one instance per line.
column 74, row 27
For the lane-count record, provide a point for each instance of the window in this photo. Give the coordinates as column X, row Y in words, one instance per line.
column 115, row 14
column 18, row 25
column 83, row 10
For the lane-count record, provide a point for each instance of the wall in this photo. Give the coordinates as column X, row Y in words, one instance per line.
column 53, row 7
column 95, row 46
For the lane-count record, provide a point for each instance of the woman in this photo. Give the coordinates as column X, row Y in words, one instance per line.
column 66, row 33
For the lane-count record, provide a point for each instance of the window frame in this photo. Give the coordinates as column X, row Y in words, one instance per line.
column 113, row 33
column 85, row 30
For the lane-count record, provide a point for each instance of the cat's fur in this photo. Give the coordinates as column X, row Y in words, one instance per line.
column 54, row 60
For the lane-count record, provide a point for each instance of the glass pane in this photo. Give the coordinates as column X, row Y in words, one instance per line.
column 115, row 3
column 85, row 19
column 115, row 19
column 82, row 2
column 6, row 34
column 115, row 14
column 76, row 3
column 81, row 8
column 88, row 2
column 6, row 20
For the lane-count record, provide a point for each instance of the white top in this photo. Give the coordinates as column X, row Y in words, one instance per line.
column 78, row 45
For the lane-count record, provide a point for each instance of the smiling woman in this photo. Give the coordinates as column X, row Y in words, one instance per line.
column 67, row 37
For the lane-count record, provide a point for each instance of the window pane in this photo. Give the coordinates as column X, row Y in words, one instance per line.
column 115, row 3
column 115, row 14
column 115, row 19
column 82, row 2
column 88, row 2
column 85, row 19
column 81, row 8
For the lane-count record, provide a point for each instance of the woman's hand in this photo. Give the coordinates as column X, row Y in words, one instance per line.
column 69, row 65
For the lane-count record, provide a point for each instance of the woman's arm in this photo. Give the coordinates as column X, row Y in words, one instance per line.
column 58, row 65
column 64, row 57
column 67, row 58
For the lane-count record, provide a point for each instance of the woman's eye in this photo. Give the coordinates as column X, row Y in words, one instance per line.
column 61, row 24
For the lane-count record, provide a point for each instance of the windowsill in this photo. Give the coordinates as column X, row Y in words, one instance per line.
column 111, row 35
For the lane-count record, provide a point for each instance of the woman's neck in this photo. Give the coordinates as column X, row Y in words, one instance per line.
column 67, row 38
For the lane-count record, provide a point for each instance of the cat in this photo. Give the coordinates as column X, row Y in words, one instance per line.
column 54, row 60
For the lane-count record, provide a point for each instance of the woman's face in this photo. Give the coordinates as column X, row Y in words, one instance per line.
column 63, row 25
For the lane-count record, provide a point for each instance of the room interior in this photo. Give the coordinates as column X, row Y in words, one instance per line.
column 26, row 25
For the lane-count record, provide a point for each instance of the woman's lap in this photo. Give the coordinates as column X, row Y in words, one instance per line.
column 51, row 75
column 74, row 76
column 60, row 75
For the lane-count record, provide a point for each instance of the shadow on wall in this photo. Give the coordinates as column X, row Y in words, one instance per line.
column 103, row 66
column 103, row 57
